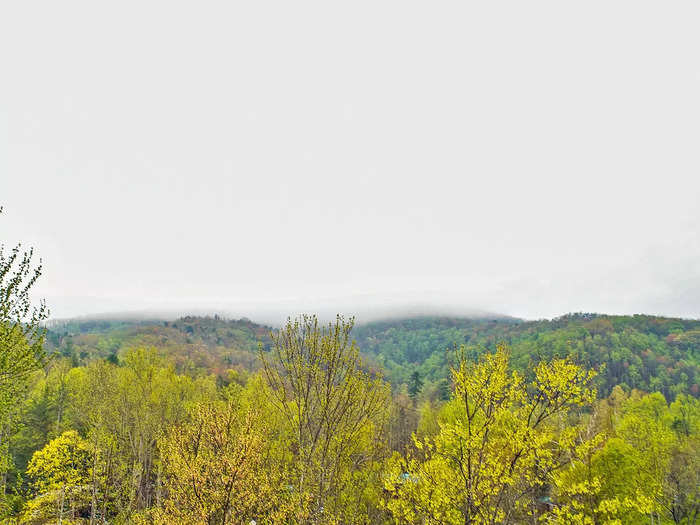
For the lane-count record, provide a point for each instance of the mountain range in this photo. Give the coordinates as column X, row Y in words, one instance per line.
column 642, row 352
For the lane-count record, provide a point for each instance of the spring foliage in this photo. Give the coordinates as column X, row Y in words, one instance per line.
column 497, row 447
column 316, row 436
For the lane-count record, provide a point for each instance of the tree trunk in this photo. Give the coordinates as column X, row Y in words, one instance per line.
column 60, row 508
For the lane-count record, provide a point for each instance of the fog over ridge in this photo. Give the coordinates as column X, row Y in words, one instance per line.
column 524, row 159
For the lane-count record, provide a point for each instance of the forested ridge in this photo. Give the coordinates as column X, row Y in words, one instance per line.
column 204, row 344
column 585, row 419
column 642, row 352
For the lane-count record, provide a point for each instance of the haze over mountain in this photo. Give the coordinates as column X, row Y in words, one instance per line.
column 363, row 309
column 454, row 158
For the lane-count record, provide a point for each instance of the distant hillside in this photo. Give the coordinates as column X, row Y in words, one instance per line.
column 209, row 344
column 644, row 352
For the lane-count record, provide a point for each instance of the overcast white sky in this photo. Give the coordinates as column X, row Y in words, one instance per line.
column 529, row 158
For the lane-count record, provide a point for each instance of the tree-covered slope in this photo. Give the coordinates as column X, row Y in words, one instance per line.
column 210, row 344
column 644, row 352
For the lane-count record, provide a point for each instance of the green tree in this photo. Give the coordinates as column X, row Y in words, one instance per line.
column 415, row 385
column 648, row 470
column 21, row 334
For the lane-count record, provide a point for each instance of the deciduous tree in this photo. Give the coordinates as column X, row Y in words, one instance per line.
column 499, row 441
column 21, row 334
column 334, row 410
column 60, row 472
column 214, row 467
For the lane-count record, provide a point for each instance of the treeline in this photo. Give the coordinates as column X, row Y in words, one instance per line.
column 315, row 436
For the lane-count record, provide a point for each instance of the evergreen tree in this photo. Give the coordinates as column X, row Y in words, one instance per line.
column 415, row 385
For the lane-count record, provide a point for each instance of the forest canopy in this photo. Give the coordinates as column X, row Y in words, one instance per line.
column 209, row 420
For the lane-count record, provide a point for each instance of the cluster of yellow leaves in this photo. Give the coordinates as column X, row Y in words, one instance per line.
column 217, row 470
column 500, row 439
column 61, row 472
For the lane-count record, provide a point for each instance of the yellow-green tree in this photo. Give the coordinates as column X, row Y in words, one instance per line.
column 60, row 473
column 500, row 439
column 647, row 471
column 215, row 468
column 96, row 409
column 334, row 411
column 608, row 486
column 124, row 411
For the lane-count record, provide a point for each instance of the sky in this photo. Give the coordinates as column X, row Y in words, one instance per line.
column 265, row 158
